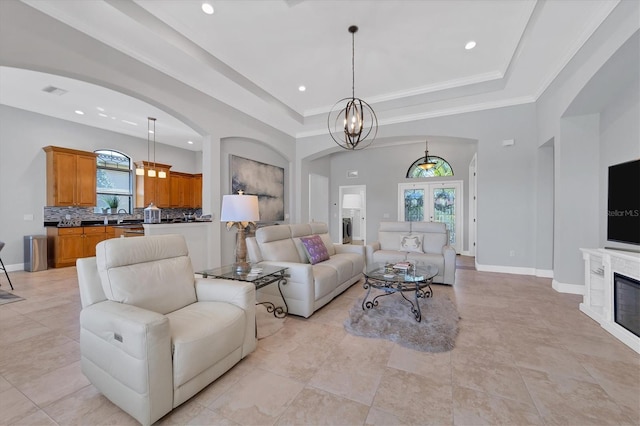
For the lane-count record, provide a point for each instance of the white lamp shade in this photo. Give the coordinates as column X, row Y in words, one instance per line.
column 240, row 208
column 351, row 201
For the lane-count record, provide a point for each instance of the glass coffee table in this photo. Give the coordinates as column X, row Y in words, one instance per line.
column 260, row 276
column 399, row 278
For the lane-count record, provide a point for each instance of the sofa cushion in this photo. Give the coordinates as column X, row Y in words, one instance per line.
column 202, row 334
column 153, row 273
column 388, row 234
column 433, row 243
column 435, row 235
column 343, row 266
column 276, row 244
column 325, row 278
column 411, row 243
column 315, row 248
column 321, row 228
column 297, row 231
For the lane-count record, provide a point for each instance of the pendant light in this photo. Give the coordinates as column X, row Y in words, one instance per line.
column 350, row 126
column 428, row 162
column 152, row 171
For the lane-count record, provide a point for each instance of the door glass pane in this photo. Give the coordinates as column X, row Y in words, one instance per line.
column 413, row 205
column 444, row 210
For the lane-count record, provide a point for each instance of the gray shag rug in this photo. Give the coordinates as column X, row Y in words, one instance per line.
column 392, row 319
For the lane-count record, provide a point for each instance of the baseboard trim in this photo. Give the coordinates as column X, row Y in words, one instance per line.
column 505, row 269
column 14, row 267
column 567, row 288
column 544, row 273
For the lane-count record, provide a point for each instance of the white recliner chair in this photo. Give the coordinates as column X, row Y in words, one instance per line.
column 152, row 335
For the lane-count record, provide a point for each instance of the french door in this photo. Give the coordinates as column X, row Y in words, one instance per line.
column 434, row 202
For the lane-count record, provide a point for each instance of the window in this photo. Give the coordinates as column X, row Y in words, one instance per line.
column 115, row 182
column 442, row 168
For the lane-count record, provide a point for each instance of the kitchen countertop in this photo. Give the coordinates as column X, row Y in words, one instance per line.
column 125, row 223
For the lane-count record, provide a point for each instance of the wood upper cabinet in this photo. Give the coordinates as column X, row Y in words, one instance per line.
column 181, row 190
column 196, row 195
column 71, row 177
column 178, row 190
column 153, row 189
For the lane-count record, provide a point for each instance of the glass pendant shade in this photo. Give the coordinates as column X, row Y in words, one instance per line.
column 151, row 173
column 139, row 171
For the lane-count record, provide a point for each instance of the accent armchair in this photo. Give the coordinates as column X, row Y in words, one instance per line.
column 152, row 335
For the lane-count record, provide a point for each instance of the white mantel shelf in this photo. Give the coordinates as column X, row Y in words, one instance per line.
column 599, row 267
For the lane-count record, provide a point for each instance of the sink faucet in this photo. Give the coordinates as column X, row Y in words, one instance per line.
column 120, row 217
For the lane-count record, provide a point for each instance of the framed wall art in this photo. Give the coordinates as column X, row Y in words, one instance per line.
column 264, row 180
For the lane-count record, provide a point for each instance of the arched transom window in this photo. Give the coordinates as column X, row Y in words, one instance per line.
column 442, row 168
column 114, row 182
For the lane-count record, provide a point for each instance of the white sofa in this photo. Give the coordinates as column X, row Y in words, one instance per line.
column 308, row 287
column 425, row 242
column 152, row 335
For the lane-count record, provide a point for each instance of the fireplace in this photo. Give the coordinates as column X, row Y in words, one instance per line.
column 626, row 303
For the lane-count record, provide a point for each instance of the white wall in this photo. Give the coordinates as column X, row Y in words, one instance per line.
column 23, row 134
column 619, row 142
column 506, row 175
column 252, row 150
column 591, row 113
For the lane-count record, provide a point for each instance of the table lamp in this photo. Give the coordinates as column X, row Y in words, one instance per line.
column 240, row 211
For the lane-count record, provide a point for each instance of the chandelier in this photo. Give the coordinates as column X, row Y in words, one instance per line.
column 350, row 126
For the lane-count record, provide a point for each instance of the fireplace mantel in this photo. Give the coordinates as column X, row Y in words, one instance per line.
column 599, row 267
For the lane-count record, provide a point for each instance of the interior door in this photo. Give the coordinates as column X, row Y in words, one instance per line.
column 434, row 202
column 318, row 198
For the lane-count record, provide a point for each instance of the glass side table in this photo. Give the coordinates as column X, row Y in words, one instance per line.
column 260, row 276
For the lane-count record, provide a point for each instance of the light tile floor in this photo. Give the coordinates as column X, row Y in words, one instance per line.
column 525, row 355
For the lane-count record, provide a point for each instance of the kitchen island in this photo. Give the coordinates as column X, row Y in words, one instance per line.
column 197, row 235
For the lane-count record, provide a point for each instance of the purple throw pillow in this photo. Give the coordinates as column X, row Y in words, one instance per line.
column 315, row 248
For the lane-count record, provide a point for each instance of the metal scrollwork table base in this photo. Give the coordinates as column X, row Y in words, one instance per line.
column 418, row 280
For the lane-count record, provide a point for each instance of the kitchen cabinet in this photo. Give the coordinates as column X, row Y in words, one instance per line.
column 71, row 177
column 197, row 191
column 153, row 189
column 66, row 245
column 181, row 189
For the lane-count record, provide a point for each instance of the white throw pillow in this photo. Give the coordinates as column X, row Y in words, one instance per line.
column 411, row 243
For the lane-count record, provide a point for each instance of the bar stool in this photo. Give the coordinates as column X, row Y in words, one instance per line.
column 2, row 266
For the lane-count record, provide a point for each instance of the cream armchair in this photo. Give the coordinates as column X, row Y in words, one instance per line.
column 152, row 335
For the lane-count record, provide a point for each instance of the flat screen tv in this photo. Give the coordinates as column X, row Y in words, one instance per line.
column 623, row 209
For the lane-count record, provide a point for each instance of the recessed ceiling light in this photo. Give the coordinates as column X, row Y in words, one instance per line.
column 102, row 114
column 470, row 45
column 79, row 112
column 100, row 109
column 150, row 132
column 190, row 142
column 130, row 122
column 302, row 88
column 113, row 118
column 207, row 8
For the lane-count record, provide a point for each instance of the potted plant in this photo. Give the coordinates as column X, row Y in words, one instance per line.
column 112, row 201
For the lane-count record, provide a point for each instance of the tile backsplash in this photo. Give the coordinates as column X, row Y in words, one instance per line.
column 55, row 214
